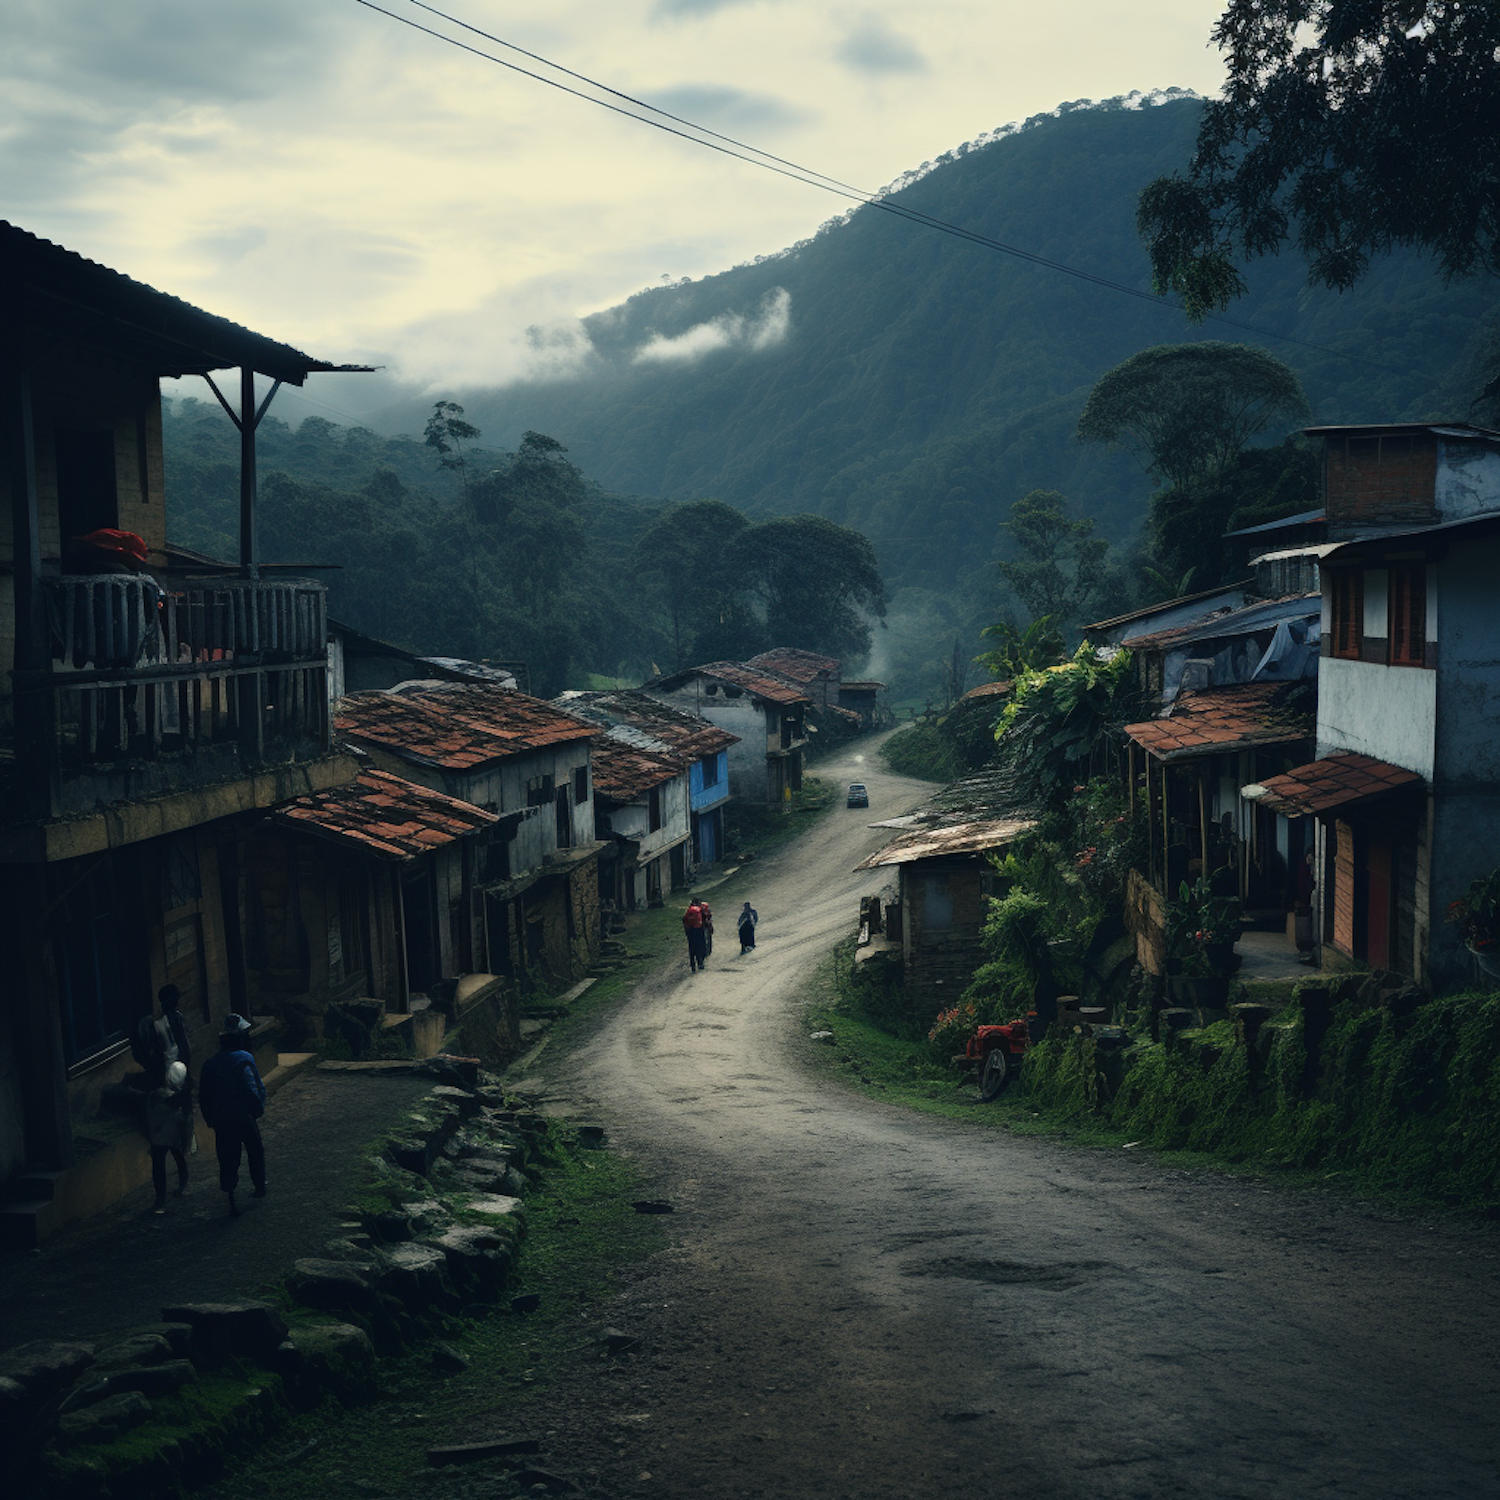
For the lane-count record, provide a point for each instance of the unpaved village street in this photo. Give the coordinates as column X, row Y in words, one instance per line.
column 862, row 1301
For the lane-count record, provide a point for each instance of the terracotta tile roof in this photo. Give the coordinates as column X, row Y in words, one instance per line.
column 1335, row 781
column 763, row 683
column 458, row 727
column 660, row 724
column 1227, row 718
column 383, row 815
column 988, row 690
column 800, row 666
column 623, row 771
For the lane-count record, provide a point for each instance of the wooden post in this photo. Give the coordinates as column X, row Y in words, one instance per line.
column 249, row 562
column 1166, row 833
column 1203, row 818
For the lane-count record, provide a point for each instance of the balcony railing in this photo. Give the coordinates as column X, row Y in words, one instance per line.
column 233, row 672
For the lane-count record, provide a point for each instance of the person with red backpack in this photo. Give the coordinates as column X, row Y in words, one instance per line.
column 697, row 937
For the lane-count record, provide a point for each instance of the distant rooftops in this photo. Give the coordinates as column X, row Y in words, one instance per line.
column 793, row 662
column 47, row 285
column 763, row 683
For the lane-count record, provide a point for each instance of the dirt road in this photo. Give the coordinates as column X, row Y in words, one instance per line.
column 864, row 1302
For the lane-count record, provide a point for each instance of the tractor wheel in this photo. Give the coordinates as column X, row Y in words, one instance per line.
column 995, row 1074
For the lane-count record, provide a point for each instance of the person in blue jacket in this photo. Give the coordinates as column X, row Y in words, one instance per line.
column 231, row 1098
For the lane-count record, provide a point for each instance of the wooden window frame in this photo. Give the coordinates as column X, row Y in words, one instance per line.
column 1407, row 615
column 1347, row 622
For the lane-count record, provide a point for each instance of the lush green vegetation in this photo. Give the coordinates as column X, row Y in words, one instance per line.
column 452, row 549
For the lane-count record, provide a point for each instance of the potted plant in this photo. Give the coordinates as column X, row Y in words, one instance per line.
column 1202, row 930
column 1477, row 917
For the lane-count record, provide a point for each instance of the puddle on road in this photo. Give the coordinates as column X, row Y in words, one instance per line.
column 1058, row 1276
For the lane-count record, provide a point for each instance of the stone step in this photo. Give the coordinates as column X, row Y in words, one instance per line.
column 26, row 1223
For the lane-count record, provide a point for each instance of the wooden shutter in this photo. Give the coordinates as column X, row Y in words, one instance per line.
column 1343, row 888
column 1348, row 612
column 1408, row 616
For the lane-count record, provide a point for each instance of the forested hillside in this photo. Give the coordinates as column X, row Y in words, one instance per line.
column 914, row 386
column 898, row 381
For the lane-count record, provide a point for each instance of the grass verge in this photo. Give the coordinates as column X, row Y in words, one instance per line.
column 582, row 1229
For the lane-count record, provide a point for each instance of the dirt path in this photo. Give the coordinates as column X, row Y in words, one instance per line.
column 863, row 1302
column 116, row 1271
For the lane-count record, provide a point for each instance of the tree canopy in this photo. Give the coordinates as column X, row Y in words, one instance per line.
column 1187, row 411
column 1357, row 125
column 1061, row 568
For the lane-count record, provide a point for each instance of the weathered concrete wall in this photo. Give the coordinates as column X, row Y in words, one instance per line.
column 749, row 777
column 1468, row 478
column 1387, row 712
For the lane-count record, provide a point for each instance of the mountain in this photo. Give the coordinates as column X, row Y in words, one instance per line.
column 912, row 385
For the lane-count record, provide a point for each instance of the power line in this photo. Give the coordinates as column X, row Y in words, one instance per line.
column 726, row 145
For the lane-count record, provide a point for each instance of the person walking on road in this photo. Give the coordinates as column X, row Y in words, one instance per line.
column 748, row 918
column 708, row 931
column 169, row 1128
column 233, row 1098
column 697, row 940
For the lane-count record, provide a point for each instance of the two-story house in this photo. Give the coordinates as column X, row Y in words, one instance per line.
column 1406, row 787
column 146, row 708
column 700, row 745
column 840, row 707
column 763, row 710
column 527, row 761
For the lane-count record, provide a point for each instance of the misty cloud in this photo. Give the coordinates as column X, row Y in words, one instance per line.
column 729, row 109
column 768, row 327
column 873, row 47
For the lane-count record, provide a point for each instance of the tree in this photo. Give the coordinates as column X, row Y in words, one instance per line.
column 447, row 432
column 1061, row 569
column 1188, row 413
column 816, row 583
column 1364, row 124
column 689, row 556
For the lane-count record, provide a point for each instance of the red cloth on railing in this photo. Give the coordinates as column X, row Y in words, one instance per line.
column 121, row 544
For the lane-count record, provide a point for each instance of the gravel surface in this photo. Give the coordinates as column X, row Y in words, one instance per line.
column 865, row 1302
column 116, row 1271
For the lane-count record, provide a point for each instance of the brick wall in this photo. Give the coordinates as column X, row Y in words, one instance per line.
column 1377, row 479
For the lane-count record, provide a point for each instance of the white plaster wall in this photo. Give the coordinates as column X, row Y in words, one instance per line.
column 744, row 716
column 1468, row 478
column 1387, row 712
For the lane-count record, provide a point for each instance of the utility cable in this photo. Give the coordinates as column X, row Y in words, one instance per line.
column 701, row 135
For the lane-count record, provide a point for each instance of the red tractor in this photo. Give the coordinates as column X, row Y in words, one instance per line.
column 998, row 1050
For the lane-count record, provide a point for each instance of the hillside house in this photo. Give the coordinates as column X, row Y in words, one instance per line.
column 359, row 663
column 763, row 710
column 1185, row 771
column 1405, row 789
column 700, row 747
column 528, row 762
column 943, row 858
column 371, row 891
column 148, row 707
column 837, row 707
column 641, row 808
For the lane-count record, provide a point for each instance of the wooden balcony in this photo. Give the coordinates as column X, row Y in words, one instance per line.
column 156, row 685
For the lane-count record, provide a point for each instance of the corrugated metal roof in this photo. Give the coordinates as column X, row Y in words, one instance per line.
column 969, row 836
column 870, row 686
column 1147, row 610
column 660, row 724
column 385, row 816
column 800, row 666
column 1227, row 718
column 1263, row 615
column 58, row 288
column 1302, row 518
column 1335, row 781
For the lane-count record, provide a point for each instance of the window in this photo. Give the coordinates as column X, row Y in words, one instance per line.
column 1408, row 616
column 1348, row 588
column 653, row 809
column 580, row 784
column 539, row 791
column 710, row 771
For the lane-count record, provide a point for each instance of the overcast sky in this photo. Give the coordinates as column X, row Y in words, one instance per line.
column 331, row 178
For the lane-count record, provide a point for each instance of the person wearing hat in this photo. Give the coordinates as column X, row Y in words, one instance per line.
column 232, row 1098
column 169, row 1128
